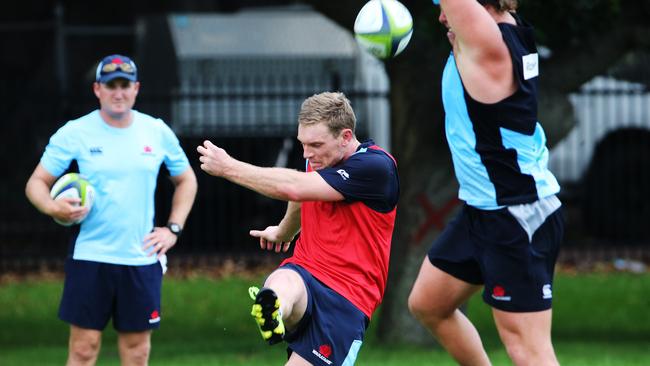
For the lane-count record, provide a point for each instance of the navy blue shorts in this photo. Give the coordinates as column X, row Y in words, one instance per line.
column 331, row 331
column 492, row 248
column 95, row 292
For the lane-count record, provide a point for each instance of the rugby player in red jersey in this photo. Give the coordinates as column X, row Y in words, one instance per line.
column 321, row 299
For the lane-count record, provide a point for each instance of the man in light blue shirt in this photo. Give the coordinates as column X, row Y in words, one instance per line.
column 117, row 257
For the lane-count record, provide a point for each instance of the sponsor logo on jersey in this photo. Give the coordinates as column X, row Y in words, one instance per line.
column 147, row 150
column 343, row 174
column 96, row 150
column 499, row 293
column 531, row 65
column 155, row 317
column 547, row 293
column 324, row 352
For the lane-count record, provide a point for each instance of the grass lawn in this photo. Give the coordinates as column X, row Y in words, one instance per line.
column 599, row 319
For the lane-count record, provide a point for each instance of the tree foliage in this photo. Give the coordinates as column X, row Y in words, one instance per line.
column 565, row 24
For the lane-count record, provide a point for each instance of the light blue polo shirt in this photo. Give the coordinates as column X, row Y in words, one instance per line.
column 122, row 164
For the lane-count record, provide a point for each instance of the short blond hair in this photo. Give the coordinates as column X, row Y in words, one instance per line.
column 332, row 108
column 501, row 5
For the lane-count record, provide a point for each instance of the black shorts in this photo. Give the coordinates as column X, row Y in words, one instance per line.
column 332, row 329
column 492, row 248
column 95, row 292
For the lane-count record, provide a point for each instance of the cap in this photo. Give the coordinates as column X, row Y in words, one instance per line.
column 116, row 66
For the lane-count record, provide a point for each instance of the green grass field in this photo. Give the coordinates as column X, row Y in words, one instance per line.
column 599, row 319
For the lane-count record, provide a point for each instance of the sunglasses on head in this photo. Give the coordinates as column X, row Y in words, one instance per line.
column 124, row 67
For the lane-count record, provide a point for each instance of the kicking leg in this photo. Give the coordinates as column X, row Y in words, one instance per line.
column 292, row 293
column 282, row 302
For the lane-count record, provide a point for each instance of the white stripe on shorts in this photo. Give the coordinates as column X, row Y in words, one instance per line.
column 532, row 215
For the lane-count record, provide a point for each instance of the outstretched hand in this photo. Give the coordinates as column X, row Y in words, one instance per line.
column 213, row 159
column 270, row 239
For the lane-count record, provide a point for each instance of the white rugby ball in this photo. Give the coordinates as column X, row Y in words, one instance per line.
column 383, row 28
column 73, row 185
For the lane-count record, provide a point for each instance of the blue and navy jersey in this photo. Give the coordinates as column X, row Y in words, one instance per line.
column 499, row 150
column 122, row 164
column 369, row 175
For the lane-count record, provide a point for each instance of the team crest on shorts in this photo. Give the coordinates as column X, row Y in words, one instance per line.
column 155, row 317
column 324, row 352
column 499, row 293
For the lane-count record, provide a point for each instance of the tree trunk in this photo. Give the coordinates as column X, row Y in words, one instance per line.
column 428, row 186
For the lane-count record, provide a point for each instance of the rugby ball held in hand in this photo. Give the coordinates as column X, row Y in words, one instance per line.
column 73, row 185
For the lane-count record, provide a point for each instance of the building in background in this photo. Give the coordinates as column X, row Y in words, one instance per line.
column 247, row 73
column 603, row 163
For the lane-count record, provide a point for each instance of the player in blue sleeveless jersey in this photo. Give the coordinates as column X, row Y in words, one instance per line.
column 506, row 238
column 117, row 256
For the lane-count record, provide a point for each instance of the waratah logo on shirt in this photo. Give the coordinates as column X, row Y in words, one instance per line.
column 147, row 150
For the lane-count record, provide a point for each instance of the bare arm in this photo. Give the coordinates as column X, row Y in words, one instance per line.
column 37, row 191
column 290, row 224
column 161, row 239
column 184, row 195
column 482, row 56
column 279, row 183
column 279, row 237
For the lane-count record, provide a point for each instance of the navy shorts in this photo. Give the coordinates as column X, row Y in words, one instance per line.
column 492, row 248
column 332, row 329
column 95, row 292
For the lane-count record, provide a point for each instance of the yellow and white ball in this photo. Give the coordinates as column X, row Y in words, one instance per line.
column 383, row 28
column 73, row 185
